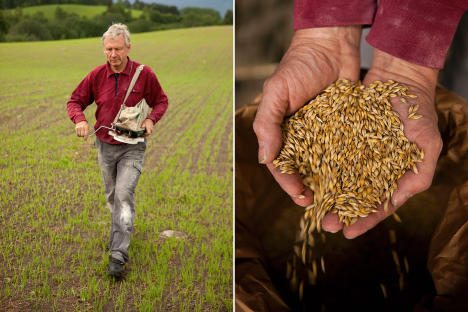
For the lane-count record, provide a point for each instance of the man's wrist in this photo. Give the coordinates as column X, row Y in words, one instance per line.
column 404, row 71
column 339, row 45
column 81, row 122
column 344, row 36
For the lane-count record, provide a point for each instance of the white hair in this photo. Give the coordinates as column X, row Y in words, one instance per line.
column 116, row 30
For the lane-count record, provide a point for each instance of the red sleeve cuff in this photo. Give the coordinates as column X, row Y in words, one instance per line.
column 79, row 118
column 418, row 31
column 316, row 13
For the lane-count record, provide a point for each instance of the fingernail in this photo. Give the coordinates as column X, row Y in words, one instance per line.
column 398, row 199
column 300, row 196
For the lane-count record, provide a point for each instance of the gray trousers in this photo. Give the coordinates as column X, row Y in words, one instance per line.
column 121, row 167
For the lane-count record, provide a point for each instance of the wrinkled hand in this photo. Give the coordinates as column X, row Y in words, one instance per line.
column 148, row 124
column 316, row 58
column 424, row 132
column 82, row 129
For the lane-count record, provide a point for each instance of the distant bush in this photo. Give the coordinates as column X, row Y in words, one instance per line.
column 30, row 29
column 199, row 17
column 116, row 13
column 140, row 25
column 162, row 18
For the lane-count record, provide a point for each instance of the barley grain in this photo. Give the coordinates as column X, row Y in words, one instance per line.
column 349, row 148
column 322, row 264
column 384, row 290
column 405, row 262
column 396, row 260
column 396, row 217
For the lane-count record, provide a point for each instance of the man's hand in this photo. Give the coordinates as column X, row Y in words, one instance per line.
column 82, row 129
column 424, row 132
column 148, row 124
column 315, row 58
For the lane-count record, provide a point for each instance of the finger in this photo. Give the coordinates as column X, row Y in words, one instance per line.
column 411, row 183
column 331, row 223
column 267, row 123
column 293, row 186
column 362, row 225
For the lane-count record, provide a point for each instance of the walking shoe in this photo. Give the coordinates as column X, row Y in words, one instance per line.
column 116, row 267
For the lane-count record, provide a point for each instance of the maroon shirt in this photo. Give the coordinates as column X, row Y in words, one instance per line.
column 418, row 31
column 108, row 90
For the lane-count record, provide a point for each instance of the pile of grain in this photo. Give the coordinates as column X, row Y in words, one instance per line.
column 349, row 147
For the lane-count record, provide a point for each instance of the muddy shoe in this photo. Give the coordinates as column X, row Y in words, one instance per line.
column 116, row 267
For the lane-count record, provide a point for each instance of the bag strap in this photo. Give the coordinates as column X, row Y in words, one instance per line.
column 132, row 83
column 130, row 88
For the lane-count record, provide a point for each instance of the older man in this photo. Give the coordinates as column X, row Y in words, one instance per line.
column 120, row 163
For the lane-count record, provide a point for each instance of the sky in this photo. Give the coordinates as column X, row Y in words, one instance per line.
column 220, row 5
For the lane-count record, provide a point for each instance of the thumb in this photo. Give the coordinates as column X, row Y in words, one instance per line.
column 267, row 123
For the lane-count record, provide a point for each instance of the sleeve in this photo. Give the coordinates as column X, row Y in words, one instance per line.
column 81, row 98
column 418, row 31
column 155, row 97
column 319, row 13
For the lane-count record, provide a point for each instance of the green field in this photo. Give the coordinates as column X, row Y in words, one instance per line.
column 88, row 11
column 53, row 219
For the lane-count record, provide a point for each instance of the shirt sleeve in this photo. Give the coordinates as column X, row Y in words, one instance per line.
column 418, row 31
column 155, row 97
column 81, row 98
column 320, row 13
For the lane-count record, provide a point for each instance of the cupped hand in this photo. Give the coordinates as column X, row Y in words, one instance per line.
column 316, row 58
column 423, row 131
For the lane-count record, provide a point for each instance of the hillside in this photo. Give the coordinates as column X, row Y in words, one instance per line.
column 88, row 11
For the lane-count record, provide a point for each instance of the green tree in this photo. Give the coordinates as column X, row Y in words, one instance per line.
column 228, row 18
column 60, row 13
column 30, row 29
column 138, row 5
column 140, row 25
column 163, row 18
column 192, row 16
column 3, row 26
column 115, row 14
column 164, row 8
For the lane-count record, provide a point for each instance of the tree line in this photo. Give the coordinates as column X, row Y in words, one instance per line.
column 11, row 4
column 17, row 26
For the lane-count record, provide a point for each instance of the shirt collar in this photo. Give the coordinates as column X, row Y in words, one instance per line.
column 126, row 71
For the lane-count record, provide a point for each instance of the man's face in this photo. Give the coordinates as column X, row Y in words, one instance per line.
column 116, row 52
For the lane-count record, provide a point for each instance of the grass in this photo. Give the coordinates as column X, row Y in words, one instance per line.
column 88, row 11
column 53, row 216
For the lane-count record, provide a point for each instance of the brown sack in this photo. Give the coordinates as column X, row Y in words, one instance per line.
column 425, row 269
